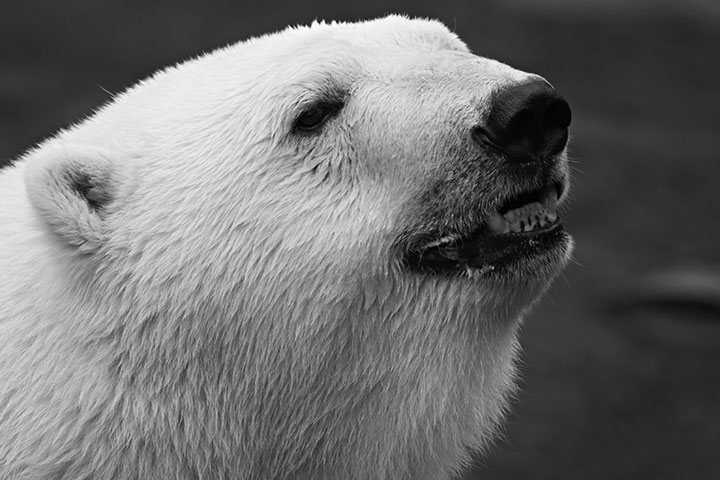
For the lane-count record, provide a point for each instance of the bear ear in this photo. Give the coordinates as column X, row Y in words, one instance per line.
column 70, row 186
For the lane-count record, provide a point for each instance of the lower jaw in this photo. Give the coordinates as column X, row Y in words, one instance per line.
column 508, row 257
column 521, row 251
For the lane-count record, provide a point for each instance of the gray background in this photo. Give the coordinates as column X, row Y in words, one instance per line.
column 621, row 374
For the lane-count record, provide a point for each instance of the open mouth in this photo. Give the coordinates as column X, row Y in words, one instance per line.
column 524, row 226
column 530, row 212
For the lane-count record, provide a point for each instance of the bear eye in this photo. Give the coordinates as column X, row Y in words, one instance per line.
column 315, row 117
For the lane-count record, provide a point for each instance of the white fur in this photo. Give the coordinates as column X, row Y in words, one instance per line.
column 233, row 308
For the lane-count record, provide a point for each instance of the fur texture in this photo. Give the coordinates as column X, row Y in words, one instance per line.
column 191, row 287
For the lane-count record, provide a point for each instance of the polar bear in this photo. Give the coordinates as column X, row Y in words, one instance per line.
column 303, row 256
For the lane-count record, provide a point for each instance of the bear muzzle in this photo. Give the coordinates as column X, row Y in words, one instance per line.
column 524, row 136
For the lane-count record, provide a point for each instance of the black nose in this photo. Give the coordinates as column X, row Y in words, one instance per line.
column 527, row 121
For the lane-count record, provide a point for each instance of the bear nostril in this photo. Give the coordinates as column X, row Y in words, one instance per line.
column 527, row 121
column 558, row 114
column 555, row 125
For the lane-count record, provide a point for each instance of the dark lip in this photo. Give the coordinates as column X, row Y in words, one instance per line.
column 482, row 248
column 498, row 250
column 489, row 250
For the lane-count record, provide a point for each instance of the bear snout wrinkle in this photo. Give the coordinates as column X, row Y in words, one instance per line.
column 527, row 122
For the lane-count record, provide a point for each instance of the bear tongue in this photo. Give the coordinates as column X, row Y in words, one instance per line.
column 526, row 218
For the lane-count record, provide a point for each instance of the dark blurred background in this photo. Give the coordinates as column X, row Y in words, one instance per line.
column 621, row 370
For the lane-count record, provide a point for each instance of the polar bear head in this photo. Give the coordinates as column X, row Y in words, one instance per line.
column 313, row 247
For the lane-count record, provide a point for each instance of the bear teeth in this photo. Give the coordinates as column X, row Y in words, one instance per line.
column 526, row 218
